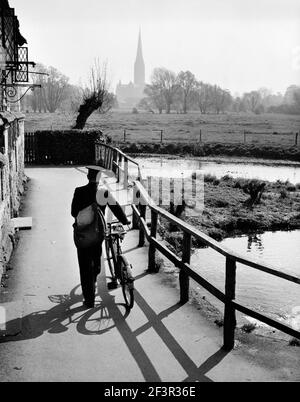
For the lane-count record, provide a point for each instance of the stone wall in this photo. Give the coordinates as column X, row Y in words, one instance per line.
column 12, row 178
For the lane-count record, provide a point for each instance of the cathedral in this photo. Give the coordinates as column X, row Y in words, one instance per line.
column 129, row 95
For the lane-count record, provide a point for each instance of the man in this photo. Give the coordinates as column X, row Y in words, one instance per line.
column 89, row 258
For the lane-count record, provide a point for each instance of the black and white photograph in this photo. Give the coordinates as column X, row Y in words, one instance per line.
column 150, row 194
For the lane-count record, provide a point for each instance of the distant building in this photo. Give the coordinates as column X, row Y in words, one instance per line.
column 129, row 95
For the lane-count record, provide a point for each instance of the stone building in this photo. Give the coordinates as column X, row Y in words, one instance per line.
column 129, row 95
column 11, row 127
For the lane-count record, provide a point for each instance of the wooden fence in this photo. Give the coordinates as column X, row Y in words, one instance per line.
column 114, row 159
column 30, row 148
column 203, row 136
column 143, row 202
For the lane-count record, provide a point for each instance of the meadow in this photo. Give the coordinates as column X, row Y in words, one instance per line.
column 146, row 127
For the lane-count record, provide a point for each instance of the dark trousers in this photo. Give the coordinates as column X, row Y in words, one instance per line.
column 89, row 260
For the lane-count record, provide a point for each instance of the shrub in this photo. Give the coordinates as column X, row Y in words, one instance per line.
column 255, row 189
column 290, row 187
column 294, row 342
column 248, row 328
column 283, row 194
column 210, row 178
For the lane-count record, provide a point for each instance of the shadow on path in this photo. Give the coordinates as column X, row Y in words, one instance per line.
column 105, row 316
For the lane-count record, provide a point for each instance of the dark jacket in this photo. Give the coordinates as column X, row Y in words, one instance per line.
column 86, row 195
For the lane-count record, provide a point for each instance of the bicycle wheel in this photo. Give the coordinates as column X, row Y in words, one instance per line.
column 111, row 257
column 127, row 282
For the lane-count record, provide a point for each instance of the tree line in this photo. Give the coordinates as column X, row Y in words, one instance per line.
column 183, row 92
column 166, row 91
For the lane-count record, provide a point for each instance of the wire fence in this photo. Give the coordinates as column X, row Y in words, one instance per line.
column 205, row 136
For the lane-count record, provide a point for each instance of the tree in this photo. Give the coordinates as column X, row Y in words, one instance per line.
column 252, row 101
column 155, row 97
column 54, row 89
column 203, row 94
column 166, row 83
column 220, row 99
column 297, row 100
column 146, row 104
column 95, row 96
column 36, row 99
column 187, row 83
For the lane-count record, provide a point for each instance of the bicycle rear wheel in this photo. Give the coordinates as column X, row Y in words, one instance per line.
column 127, row 282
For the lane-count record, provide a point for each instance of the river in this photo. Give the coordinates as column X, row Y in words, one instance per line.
column 270, row 295
column 174, row 167
column 276, row 297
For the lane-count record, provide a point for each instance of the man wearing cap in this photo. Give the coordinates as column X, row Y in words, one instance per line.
column 89, row 258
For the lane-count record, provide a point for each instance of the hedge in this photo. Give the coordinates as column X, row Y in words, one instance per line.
column 72, row 147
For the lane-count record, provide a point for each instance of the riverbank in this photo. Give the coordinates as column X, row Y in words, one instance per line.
column 256, row 151
column 220, row 159
column 228, row 209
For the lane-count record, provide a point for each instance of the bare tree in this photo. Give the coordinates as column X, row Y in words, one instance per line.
column 252, row 100
column 54, row 89
column 221, row 99
column 95, row 96
column 36, row 99
column 203, row 95
column 297, row 100
column 167, row 83
column 187, row 83
column 156, row 97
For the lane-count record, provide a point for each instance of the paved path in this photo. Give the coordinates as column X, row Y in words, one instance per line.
column 52, row 338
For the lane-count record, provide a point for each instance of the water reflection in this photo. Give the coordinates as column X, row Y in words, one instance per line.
column 255, row 241
column 258, row 290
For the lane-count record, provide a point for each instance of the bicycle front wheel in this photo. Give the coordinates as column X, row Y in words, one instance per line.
column 127, row 282
column 111, row 257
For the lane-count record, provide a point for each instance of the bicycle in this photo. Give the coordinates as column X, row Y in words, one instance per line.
column 120, row 269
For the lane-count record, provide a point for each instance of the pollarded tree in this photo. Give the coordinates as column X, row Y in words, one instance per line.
column 187, row 82
column 95, row 96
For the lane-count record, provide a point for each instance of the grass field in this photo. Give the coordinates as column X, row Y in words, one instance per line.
column 264, row 129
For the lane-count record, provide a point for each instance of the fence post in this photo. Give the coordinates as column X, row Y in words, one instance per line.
column 200, row 138
column 124, row 135
column 135, row 221
column 229, row 313
column 125, row 173
column 142, row 234
column 184, row 279
column 115, row 157
column 296, row 139
column 152, row 249
column 161, row 136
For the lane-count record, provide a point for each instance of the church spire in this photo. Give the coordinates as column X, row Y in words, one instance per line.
column 139, row 66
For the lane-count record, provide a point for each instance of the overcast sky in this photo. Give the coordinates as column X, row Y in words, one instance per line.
column 240, row 45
